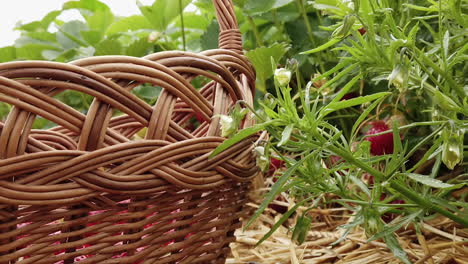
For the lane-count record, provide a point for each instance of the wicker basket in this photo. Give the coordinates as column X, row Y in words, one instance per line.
column 88, row 191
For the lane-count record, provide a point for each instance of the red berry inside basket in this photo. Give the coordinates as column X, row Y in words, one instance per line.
column 275, row 164
column 199, row 117
column 381, row 144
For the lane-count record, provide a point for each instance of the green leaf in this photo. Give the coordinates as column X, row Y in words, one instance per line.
column 334, row 106
column 244, row 133
column 343, row 30
column 32, row 51
column 4, row 110
column 338, row 76
column 162, row 12
column 283, row 218
column 50, row 54
column 364, row 114
column 42, row 25
column 254, row 7
column 100, row 20
column 390, row 229
column 41, row 37
column 92, row 37
column 396, row 249
column 98, row 16
column 426, row 180
column 360, row 184
column 419, row 8
column 32, row 26
column 130, row 23
column 261, row 59
column 194, row 20
column 446, row 42
column 330, row 43
column 209, row 39
column 7, row 53
column 139, row 48
column 69, row 35
column 147, row 92
column 49, row 18
column 346, row 88
column 276, row 188
column 85, row 5
column 62, row 56
column 286, row 134
column 301, row 228
column 108, row 47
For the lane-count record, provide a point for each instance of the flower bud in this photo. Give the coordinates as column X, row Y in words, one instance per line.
column 228, row 126
column 283, row 76
column 153, row 36
column 452, row 149
column 292, row 64
column 399, row 77
column 260, row 158
column 348, row 3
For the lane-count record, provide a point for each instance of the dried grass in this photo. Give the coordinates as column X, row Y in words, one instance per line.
column 440, row 242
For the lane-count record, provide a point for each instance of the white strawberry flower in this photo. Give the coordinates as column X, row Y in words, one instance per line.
column 283, row 76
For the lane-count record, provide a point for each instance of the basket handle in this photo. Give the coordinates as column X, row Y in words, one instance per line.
column 229, row 35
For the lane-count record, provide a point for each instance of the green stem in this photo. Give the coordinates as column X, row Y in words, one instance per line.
column 423, row 202
column 258, row 39
column 182, row 24
column 306, row 22
column 278, row 25
column 310, row 33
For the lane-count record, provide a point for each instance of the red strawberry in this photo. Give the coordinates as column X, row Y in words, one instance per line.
column 349, row 96
column 366, row 177
column 275, row 164
column 334, row 160
column 362, row 31
column 381, row 144
column 199, row 117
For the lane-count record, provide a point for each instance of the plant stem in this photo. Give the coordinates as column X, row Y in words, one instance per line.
column 310, row 33
column 182, row 24
column 413, row 196
column 258, row 39
column 278, row 25
column 306, row 22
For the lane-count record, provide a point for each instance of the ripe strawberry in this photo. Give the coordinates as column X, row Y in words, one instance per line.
column 349, row 96
column 199, row 117
column 281, row 209
column 381, row 144
column 362, row 31
column 366, row 177
column 275, row 164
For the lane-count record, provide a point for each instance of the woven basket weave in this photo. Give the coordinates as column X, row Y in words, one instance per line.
column 88, row 191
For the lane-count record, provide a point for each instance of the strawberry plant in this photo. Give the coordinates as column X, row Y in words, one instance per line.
column 388, row 116
column 382, row 144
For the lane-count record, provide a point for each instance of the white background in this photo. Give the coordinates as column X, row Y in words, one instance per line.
column 13, row 11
